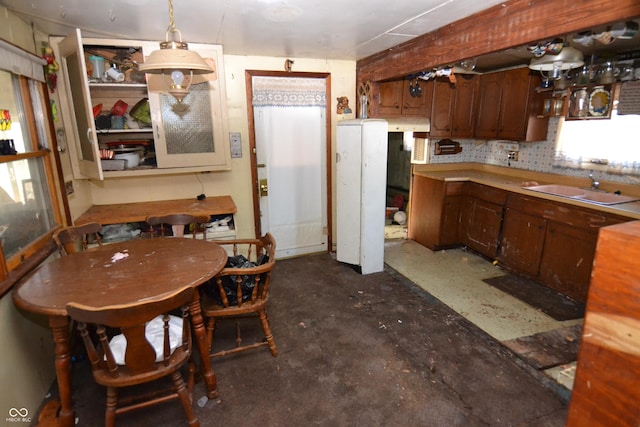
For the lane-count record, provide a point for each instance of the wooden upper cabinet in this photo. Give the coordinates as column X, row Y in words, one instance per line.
column 442, row 108
column 417, row 105
column 509, row 107
column 464, row 110
column 394, row 99
column 489, row 104
column 513, row 108
column 390, row 98
column 454, row 107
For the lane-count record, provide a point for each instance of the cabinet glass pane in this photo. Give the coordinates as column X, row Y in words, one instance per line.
column 188, row 126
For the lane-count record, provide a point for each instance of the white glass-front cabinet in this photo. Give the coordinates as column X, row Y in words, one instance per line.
column 189, row 133
column 180, row 137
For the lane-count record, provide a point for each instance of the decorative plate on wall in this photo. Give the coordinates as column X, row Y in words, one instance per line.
column 599, row 102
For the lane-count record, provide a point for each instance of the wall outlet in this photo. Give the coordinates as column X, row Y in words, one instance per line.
column 513, row 155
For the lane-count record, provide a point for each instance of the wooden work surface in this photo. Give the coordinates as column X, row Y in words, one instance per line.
column 151, row 268
column 138, row 212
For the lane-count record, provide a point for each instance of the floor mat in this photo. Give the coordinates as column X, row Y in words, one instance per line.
column 548, row 349
column 545, row 299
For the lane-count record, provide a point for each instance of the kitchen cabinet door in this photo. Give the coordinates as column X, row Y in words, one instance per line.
column 390, row 98
column 482, row 221
column 453, row 108
column 442, row 108
column 192, row 133
column 489, row 104
column 522, row 241
column 464, row 109
column 417, row 105
column 513, row 109
column 80, row 127
column 426, row 200
column 567, row 259
column 449, row 235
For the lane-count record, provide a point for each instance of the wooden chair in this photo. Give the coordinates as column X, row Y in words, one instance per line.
column 139, row 362
column 241, row 292
column 76, row 238
column 178, row 221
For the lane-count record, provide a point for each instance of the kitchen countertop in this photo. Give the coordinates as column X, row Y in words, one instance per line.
column 511, row 179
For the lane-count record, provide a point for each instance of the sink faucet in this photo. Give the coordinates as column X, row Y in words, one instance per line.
column 595, row 185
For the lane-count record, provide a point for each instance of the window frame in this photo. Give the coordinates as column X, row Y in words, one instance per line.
column 12, row 269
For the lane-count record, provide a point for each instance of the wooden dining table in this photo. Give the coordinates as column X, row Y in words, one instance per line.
column 122, row 273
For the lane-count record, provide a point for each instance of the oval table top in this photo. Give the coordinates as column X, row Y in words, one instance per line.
column 119, row 274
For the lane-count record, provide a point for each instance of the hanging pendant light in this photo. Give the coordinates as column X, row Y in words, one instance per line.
column 568, row 58
column 174, row 60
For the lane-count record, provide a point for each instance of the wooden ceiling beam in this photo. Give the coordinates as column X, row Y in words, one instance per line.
column 513, row 23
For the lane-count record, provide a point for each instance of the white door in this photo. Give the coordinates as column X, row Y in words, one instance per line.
column 289, row 116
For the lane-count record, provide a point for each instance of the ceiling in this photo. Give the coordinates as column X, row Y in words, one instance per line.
column 331, row 29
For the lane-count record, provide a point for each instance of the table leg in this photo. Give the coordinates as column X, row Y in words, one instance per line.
column 203, row 347
column 60, row 327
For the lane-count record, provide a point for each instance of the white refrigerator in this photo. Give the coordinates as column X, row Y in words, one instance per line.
column 361, row 181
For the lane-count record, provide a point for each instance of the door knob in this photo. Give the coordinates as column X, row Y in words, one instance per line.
column 264, row 189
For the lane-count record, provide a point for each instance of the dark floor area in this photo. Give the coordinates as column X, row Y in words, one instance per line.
column 356, row 350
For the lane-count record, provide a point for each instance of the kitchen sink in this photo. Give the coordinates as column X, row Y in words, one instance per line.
column 606, row 198
column 599, row 197
column 558, row 190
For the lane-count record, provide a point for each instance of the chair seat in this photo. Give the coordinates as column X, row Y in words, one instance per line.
column 155, row 335
column 105, row 377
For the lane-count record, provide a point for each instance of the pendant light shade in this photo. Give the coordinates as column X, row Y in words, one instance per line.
column 174, row 59
column 174, row 55
column 568, row 58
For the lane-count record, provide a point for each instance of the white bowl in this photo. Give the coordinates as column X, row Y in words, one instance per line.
column 133, row 159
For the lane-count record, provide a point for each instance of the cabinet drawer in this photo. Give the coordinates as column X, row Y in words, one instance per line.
column 566, row 214
column 486, row 193
column 455, row 188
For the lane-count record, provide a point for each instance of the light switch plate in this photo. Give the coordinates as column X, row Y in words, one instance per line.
column 236, row 144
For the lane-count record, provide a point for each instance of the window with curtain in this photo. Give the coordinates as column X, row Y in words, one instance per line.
column 29, row 211
column 611, row 145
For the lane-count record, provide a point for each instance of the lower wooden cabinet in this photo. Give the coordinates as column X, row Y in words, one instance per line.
column 438, row 203
column 550, row 242
column 482, row 221
column 523, row 238
column 567, row 259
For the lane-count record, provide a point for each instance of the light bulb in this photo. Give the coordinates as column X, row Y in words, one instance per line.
column 177, row 77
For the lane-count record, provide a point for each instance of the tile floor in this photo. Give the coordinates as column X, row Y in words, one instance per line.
column 455, row 277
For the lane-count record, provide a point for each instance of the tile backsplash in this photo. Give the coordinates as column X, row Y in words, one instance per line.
column 534, row 156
